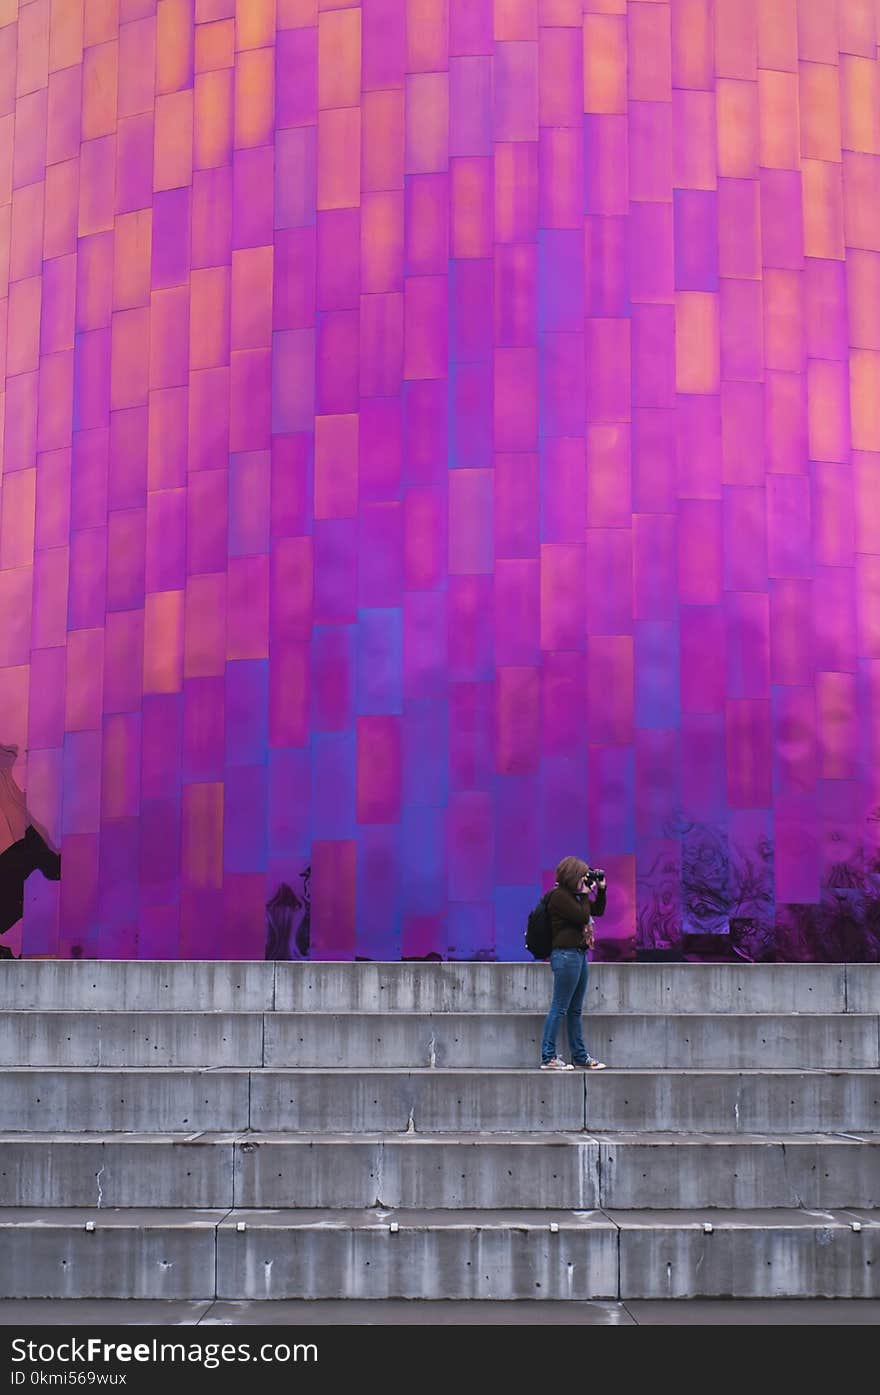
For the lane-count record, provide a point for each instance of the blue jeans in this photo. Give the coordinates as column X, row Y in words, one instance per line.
column 570, row 970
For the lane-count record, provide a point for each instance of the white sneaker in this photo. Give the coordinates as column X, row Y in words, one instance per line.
column 556, row 1063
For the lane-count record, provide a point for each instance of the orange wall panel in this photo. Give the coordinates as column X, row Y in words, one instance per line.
column 173, row 150
column 339, row 58
column 697, row 364
column 604, row 64
column 254, row 97
column 174, row 45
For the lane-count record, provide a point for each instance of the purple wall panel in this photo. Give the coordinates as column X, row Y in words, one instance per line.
column 516, row 294
column 378, row 860
column 203, row 731
column 471, row 628
column 658, row 687
column 610, row 692
column 834, row 619
column 564, row 490
column 334, row 784
column 703, row 767
column 518, row 720
column 425, row 753
column 517, row 841
column 564, row 702
column 47, row 702
column 795, row 767
column 425, row 645
column 700, row 552
column 703, row 659
column 656, row 777
column 564, row 803
column 749, row 753
column 379, row 648
column 470, row 415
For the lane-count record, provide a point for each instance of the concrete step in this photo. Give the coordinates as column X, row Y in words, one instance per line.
column 165, row 1100
column 570, row 1170
column 304, row 1313
column 103, row 985
column 439, row 1312
column 383, row 1040
column 507, row 1255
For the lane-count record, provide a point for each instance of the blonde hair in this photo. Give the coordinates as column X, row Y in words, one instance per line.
column 570, row 871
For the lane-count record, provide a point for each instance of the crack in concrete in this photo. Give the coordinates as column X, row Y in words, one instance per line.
column 738, row 1100
column 788, row 1182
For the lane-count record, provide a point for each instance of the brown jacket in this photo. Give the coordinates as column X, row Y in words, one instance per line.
column 570, row 918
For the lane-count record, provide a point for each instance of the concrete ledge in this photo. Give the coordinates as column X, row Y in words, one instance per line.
column 627, row 1040
column 144, row 1101
column 426, row 1101
column 451, row 987
column 862, row 987
column 36, row 1038
column 440, row 1101
column 329, row 1312
column 97, row 1100
column 765, row 1101
column 456, row 1040
column 468, row 1172
column 141, row 1254
column 224, row 986
column 136, row 985
column 506, row 1255
column 572, row 1170
column 433, row 1254
column 641, row 1171
column 117, row 1170
column 759, row 1254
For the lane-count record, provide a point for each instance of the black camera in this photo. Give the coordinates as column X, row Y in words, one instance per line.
column 594, row 876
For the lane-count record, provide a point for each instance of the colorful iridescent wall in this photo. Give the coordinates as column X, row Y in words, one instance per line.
column 441, row 436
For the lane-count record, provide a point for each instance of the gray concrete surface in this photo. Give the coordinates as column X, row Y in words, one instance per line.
column 146, row 1170
column 450, row 987
column 748, row 1254
column 385, row 1253
column 138, row 1254
column 429, row 1101
column 455, row 1040
column 415, row 1171
column 482, row 1254
column 159, row 1151
column 664, row 1171
column 863, row 987
column 68, row 1100
column 432, row 1101
column 112, row 985
column 472, row 1171
column 97, row 1100
column 628, row 1040
column 36, row 1038
column 86, row 1312
column 133, row 985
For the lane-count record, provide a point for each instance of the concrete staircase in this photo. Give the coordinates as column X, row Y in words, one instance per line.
column 267, row 1131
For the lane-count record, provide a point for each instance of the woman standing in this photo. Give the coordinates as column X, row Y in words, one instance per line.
column 571, row 912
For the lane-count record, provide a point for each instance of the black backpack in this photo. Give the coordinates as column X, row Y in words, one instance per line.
column 539, row 936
